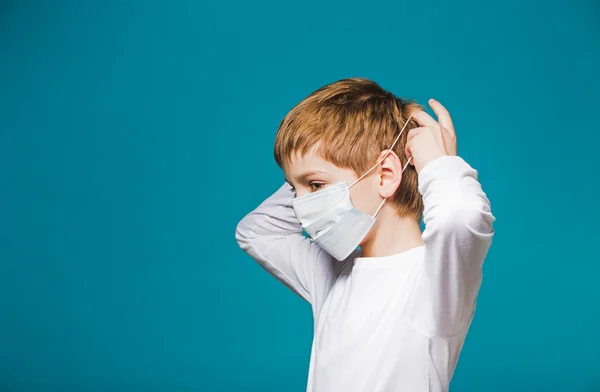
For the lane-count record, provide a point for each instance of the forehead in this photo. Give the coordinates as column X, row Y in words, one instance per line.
column 310, row 162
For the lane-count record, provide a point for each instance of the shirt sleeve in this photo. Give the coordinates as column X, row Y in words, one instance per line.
column 272, row 235
column 458, row 233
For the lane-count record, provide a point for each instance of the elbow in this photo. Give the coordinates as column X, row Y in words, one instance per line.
column 466, row 215
column 242, row 234
column 479, row 219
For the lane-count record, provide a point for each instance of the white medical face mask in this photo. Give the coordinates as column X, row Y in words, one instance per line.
column 331, row 221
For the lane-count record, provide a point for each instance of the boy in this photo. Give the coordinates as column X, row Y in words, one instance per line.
column 392, row 315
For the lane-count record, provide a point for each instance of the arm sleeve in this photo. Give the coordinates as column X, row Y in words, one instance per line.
column 458, row 233
column 272, row 235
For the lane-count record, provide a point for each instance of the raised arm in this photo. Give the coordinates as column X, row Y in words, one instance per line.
column 458, row 227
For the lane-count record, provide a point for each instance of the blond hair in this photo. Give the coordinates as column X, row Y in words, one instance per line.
column 352, row 121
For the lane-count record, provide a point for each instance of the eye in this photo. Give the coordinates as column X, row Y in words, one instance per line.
column 315, row 186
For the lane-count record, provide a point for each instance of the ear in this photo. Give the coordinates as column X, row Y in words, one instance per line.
column 390, row 173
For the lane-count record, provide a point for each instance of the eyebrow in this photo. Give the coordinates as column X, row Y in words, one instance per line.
column 307, row 174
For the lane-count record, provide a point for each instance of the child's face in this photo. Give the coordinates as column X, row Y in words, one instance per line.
column 310, row 173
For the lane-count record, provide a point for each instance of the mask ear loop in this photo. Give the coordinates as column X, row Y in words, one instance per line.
column 382, row 159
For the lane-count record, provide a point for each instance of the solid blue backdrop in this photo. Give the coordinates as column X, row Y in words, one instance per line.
column 134, row 135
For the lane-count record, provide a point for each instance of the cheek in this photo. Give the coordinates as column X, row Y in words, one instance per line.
column 301, row 192
column 364, row 198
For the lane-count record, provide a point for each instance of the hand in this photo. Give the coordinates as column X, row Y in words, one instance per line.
column 433, row 139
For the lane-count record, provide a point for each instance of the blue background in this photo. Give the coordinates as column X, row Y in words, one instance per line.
column 134, row 135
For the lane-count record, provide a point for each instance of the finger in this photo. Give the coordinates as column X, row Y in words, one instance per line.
column 408, row 153
column 413, row 133
column 424, row 119
column 443, row 115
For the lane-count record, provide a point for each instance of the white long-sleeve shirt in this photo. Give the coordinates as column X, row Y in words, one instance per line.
column 393, row 323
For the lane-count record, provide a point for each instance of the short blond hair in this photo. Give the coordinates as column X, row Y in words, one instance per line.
column 352, row 121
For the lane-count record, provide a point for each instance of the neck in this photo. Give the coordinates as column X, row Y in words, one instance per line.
column 391, row 234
